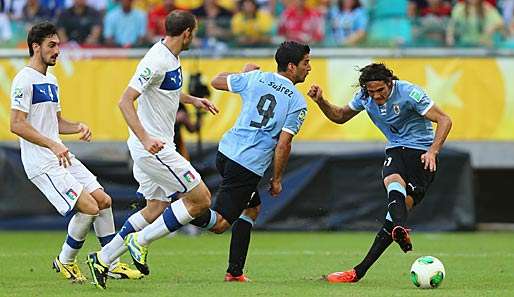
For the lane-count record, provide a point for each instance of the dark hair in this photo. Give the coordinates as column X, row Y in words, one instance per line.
column 254, row 3
column 179, row 21
column 290, row 52
column 356, row 4
column 38, row 33
column 375, row 72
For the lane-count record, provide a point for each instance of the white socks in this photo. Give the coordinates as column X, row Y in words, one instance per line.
column 77, row 231
column 114, row 249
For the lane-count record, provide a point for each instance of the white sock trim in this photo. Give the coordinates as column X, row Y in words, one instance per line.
column 180, row 211
column 137, row 220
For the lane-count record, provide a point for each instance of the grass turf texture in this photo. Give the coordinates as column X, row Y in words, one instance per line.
column 279, row 264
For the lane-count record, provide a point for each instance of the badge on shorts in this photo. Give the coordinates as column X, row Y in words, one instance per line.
column 189, row 177
column 396, row 108
column 71, row 194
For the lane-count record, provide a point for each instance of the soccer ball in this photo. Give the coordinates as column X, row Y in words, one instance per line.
column 427, row 272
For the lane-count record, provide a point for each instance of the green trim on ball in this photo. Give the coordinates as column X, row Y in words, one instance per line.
column 437, row 279
column 414, row 278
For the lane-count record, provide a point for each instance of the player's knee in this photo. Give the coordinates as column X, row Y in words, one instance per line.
column 104, row 202
column 393, row 178
column 91, row 209
column 203, row 200
column 253, row 212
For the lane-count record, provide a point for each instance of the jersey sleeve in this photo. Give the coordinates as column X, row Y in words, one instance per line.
column 294, row 121
column 419, row 100
column 238, row 82
column 296, row 116
column 21, row 94
column 356, row 103
column 146, row 75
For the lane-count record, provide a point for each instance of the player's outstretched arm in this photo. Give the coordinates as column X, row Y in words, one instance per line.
column 444, row 124
column 21, row 127
column 201, row 103
column 219, row 82
column 126, row 105
column 68, row 127
column 336, row 114
column 280, row 159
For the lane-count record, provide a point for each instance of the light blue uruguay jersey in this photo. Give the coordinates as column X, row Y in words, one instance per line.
column 401, row 119
column 271, row 104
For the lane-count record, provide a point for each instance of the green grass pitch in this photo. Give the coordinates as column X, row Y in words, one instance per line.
column 279, row 264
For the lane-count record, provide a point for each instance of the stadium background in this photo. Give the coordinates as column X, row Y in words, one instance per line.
column 333, row 177
column 472, row 82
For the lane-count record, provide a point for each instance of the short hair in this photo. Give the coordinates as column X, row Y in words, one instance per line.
column 179, row 21
column 38, row 33
column 290, row 52
column 375, row 72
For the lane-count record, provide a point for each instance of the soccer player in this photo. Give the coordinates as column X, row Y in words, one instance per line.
column 70, row 187
column 404, row 114
column 272, row 113
column 162, row 173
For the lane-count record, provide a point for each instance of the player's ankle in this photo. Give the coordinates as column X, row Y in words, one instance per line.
column 359, row 272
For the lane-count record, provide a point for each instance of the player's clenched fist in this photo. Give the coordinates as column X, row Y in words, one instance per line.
column 153, row 145
column 316, row 93
column 275, row 187
column 250, row 67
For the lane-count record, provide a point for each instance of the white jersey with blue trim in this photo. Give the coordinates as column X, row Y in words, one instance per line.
column 37, row 95
column 158, row 78
column 271, row 104
column 402, row 117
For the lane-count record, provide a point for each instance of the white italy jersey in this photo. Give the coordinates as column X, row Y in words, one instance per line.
column 158, row 78
column 38, row 95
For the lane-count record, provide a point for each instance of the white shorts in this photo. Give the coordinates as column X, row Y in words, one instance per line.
column 165, row 175
column 62, row 186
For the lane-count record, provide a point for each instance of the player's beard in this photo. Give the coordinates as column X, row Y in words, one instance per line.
column 50, row 60
column 301, row 78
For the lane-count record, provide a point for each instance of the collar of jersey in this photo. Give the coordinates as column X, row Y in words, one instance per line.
column 167, row 48
column 392, row 90
column 283, row 77
column 34, row 70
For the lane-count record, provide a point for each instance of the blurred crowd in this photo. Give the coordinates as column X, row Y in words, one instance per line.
column 258, row 23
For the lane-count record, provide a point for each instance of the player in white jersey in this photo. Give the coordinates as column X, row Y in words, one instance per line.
column 70, row 187
column 162, row 173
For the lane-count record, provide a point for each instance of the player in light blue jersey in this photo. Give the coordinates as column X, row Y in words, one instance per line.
column 272, row 113
column 404, row 114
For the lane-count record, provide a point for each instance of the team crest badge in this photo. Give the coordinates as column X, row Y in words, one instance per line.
column 396, row 108
column 189, row 176
column 71, row 194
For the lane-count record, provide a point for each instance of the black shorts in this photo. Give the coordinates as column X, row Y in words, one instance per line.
column 407, row 163
column 238, row 189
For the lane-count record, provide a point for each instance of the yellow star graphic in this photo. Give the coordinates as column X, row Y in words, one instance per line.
column 440, row 87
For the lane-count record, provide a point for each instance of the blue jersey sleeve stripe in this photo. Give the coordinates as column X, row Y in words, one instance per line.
column 424, row 112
